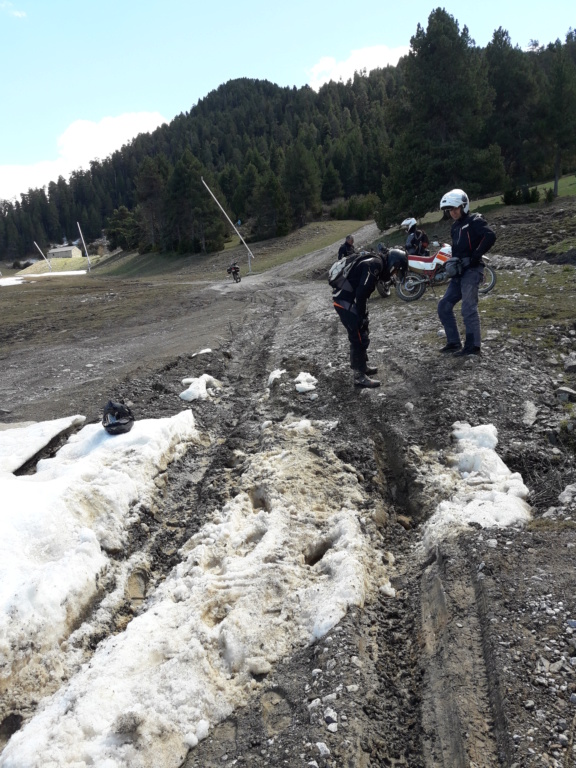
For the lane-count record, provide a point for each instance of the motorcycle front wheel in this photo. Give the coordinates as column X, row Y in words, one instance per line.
column 411, row 288
column 237, row 278
column 489, row 280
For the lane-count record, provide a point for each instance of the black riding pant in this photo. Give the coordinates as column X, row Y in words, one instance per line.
column 357, row 334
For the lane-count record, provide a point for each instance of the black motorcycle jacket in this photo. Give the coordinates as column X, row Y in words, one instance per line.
column 471, row 238
column 417, row 242
column 345, row 250
column 360, row 284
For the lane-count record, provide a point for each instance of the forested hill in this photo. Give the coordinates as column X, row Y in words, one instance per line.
column 391, row 141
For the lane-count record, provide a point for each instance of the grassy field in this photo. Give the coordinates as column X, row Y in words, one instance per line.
column 267, row 254
column 59, row 265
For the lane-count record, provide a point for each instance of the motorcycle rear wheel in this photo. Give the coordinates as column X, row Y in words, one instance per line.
column 383, row 289
column 489, row 280
column 411, row 288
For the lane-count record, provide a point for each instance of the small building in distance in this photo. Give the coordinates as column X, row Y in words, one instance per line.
column 64, row 252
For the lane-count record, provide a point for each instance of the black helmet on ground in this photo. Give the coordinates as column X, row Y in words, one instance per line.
column 117, row 418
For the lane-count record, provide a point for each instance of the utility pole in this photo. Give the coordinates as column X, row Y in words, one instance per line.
column 42, row 254
column 84, row 244
column 250, row 254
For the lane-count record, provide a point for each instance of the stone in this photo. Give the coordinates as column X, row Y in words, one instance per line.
column 565, row 394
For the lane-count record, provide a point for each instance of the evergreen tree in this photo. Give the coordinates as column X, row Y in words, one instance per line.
column 302, row 182
column 447, row 102
column 331, row 184
column 273, row 216
column 516, row 86
column 560, row 103
column 150, row 186
column 194, row 223
column 122, row 229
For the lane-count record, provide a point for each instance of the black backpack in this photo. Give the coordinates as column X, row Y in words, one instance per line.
column 339, row 271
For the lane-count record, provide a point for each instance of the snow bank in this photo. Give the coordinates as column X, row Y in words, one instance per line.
column 56, row 526
column 277, row 567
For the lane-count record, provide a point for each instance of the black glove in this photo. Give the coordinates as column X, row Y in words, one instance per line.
column 466, row 262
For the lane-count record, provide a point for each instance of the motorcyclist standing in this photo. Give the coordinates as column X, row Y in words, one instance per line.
column 471, row 239
column 347, row 247
column 350, row 304
column 417, row 240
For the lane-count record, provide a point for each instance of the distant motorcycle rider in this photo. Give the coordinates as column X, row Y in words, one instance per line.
column 417, row 240
column 347, row 247
column 471, row 239
column 350, row 304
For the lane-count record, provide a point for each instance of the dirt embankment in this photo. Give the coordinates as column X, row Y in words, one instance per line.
column 472, row 662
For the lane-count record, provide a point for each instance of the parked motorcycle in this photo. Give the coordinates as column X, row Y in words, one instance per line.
column 430, row 271
column 234, row 272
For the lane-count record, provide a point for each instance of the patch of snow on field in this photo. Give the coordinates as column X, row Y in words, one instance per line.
column 486, row 492
column 19, row 444
column 198, row 387
column 276, row 567
column 57, row 525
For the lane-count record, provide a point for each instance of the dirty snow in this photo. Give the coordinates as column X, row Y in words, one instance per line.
column 198, row 387
column 276, row 567
column 485, row 491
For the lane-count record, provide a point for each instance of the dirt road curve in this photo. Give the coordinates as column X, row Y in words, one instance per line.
column 473, row 663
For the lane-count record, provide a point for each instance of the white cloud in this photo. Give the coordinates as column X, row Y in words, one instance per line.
column 364, row 58
column 81, row 142
column 10, row 10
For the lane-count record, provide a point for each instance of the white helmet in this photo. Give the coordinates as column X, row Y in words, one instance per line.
column 408, row 224
column 454, row 199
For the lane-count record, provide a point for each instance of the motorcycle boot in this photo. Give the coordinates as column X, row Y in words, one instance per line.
column 452, row 346
column 361, row 380
column 469, row 347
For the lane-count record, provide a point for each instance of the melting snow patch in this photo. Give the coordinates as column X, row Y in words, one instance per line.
column 486, row 491
column 275, row 376
column 20, row 444
column 198, row 388
column 55, row 527
column 277, row 567
column 305, row 382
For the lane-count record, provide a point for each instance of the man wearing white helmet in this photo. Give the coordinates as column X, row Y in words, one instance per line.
column 471, row 239
column 417, row 240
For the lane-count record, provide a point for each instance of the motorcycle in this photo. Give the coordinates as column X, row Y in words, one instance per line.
column 427, row 271
column 234, row 272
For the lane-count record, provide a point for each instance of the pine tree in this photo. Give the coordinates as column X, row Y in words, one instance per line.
column 150, row 187
column 302, row 182
column 194, row 223
column 273, row 216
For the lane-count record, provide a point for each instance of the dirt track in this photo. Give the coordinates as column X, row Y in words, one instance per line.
column 473, row 663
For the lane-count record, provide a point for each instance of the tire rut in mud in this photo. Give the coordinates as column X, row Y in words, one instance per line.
column 368, row 666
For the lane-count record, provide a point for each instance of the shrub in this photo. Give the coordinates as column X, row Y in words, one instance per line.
column 358, row 207
column 522, row 196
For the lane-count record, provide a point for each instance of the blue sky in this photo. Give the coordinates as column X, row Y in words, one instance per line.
column 83, row 77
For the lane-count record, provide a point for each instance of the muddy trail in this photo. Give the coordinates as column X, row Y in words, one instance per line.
column 465, row 656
